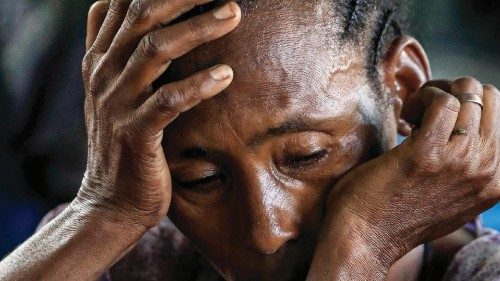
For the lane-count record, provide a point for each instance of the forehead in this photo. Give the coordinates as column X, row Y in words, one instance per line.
column 286, row 60
column 275, row 40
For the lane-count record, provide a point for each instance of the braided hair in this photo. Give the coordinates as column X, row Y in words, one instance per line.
column 373, row 24
column 378, row 23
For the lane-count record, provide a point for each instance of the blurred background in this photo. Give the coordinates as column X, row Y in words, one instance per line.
column 42, row 133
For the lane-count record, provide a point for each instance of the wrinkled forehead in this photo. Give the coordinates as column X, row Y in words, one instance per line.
column 285, row 56
column 287, row 63
column 277, row 41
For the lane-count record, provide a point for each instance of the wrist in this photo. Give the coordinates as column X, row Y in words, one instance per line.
column 349, row 248
column 118, row 224
column 80, row 242
column 362, row 251
column 119, row 209
column 381, row 241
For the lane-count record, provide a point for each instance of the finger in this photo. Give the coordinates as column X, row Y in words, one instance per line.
column 142, row 17
column 442, row 84
column 96, row 16
column 490, row 123
column 158, row 48
column 469, row 117
column 114, row 18
column 434, row 111
column 172, row 99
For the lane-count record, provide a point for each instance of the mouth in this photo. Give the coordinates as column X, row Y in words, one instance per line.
column 271, row 268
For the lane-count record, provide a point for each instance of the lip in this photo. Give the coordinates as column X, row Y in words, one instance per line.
column 285, row 274
column 288, row 264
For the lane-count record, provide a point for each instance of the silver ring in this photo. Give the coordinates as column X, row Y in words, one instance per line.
column 468, row 97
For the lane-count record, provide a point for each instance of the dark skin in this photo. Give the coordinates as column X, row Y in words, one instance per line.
column 290, row 172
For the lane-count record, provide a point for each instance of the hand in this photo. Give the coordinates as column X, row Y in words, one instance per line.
column 127, row 176
column 442, row 176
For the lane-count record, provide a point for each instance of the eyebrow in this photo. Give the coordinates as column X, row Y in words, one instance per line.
column 292, row 125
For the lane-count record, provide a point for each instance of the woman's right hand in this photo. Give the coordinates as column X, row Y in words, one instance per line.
column 444, row 175
column 127, row 176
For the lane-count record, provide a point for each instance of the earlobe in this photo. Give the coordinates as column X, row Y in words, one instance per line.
column 404, row 128
column 405, row 68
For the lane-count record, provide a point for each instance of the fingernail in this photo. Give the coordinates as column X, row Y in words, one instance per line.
column 224, row 12
column 221, row 72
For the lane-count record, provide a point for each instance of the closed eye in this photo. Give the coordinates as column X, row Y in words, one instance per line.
column 301, row 161
column 204, row 183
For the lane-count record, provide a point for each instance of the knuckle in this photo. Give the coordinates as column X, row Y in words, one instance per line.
column 465, row 80
column 491, row 89
column 166, row 101
column 448, row 102
column 198, row 30
column 139, row 12
column 149, row 47
column 440, row 84
column 176, row 98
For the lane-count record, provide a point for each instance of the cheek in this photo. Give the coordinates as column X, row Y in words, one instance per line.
column 345, row 154
column 223, row 230
column 310, row 203
column 209, row 229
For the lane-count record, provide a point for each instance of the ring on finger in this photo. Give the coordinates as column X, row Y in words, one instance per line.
column 468, row 97
column 460, row 132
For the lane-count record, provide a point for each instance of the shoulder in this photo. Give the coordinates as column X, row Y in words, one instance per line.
column 51, row 215
column 163, row 253
column 479, row 260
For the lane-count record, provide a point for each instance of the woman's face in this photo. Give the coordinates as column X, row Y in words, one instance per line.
column 252, row 168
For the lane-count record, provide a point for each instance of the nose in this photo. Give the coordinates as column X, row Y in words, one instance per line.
column 269, row 213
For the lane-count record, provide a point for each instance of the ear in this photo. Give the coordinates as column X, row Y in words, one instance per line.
column 406, row 68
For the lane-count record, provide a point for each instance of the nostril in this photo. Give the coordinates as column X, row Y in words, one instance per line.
column 272, row 252
column 270, row 242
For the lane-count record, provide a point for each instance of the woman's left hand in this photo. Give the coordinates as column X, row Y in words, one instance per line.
column 444, row 175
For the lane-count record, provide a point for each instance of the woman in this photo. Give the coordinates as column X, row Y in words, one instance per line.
column 282, row 158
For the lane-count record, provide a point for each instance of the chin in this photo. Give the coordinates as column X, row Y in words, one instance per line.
column 284, row 274
column 288, row 265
